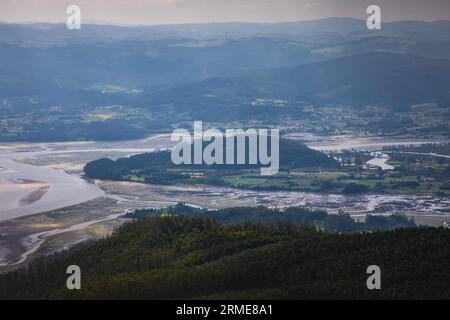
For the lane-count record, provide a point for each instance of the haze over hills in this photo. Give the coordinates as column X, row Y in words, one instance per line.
column 231, row 70
column 68, row 69
column 315, row 31
column 393, row 80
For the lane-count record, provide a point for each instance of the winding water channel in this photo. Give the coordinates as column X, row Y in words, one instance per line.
column 66, row 189
column 40, row 178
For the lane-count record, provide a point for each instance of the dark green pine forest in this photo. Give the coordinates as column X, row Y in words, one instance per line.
column 177, row 257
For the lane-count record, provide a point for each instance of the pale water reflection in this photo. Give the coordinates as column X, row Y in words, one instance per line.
column 59, row 189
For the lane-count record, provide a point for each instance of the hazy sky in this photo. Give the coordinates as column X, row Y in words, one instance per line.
column 148, row 12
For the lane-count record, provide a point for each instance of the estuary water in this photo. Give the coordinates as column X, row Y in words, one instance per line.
column 27, row 189
column 64, row 189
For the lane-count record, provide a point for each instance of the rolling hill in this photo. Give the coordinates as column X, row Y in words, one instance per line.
column 378, row 78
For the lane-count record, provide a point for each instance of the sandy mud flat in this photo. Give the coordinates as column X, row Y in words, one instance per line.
column 39, row 213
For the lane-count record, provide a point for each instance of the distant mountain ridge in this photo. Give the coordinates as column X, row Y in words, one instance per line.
column 333, row 29
column 214, row 72
column 381, row 78
column 50, row 61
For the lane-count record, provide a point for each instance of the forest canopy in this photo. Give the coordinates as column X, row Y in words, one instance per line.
column 175, row 257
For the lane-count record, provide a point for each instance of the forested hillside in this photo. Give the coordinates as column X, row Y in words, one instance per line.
column 319, row 219
column 158, row 168
column 174, row 257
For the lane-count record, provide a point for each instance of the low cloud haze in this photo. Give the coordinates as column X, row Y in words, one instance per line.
column 148, row 12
